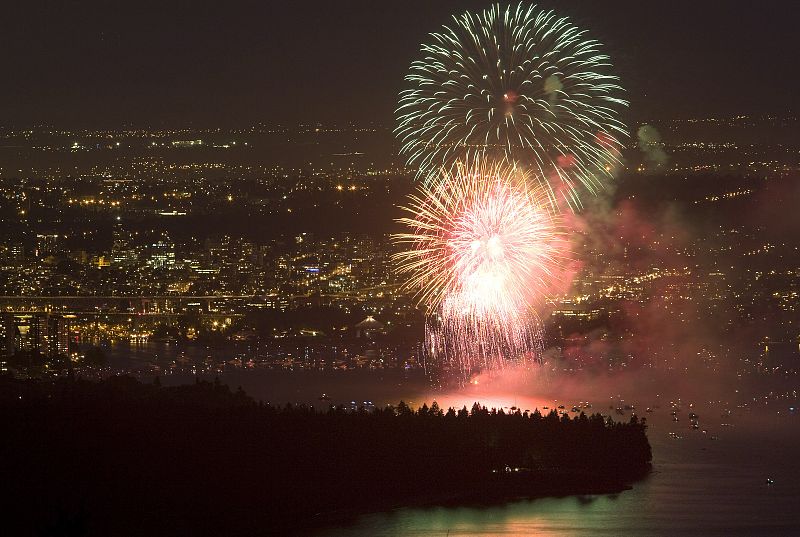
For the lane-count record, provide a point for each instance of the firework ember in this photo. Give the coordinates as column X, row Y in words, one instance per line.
column 483, row 250
column 516, row 84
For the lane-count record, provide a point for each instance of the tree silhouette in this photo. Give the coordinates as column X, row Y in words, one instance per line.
column 198, row 439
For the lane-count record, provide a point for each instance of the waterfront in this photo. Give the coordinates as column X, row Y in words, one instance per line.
column 703, row 483
column 708, row 481
column 698, row 487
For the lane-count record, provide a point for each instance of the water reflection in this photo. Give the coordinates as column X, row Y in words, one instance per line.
column 698, row 487
column 702, row 484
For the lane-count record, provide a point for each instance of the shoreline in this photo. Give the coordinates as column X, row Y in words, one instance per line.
column 532, row 485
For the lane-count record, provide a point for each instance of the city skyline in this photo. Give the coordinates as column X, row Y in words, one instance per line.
column 376, row 269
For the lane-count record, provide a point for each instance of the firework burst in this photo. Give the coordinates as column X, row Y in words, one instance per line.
column 482, row 252
column 517, row 85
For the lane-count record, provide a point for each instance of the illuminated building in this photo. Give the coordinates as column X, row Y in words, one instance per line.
column 47, row 245
column 16, row 253
column 122, row 250
column 162, row 254
column 58, row 334
column 43, row 333
column 368, row 327
column 6, row 335
column 28, row 333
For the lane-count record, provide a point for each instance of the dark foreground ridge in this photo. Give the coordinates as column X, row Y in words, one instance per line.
column 120, row 457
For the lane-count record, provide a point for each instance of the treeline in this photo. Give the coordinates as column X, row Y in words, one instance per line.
column 125, row 458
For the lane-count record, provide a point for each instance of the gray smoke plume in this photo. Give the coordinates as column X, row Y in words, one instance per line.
column 651, row 145
column 552, row 85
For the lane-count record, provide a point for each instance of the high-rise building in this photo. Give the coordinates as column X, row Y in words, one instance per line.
column 6, row 335
column 27, row 336
column 47, row 244
column 59, row 328
column 162, row 254
column 16, row 253
column 40, row 332
column 218, row 248
column 123, row 251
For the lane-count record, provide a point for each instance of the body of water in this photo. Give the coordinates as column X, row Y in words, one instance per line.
column 712, row 481
column 699, row 487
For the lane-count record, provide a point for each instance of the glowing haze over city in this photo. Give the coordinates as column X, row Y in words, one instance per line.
column 401, row 268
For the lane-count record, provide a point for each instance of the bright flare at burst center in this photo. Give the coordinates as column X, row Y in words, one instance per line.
column 482, row 252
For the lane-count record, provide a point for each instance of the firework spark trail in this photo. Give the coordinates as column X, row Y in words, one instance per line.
column 468, row 345
column 517, row 85
column 482, row 252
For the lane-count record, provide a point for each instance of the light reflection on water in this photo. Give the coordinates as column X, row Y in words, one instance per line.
column 699, row 486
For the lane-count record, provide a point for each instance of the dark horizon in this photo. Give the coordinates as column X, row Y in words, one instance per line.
column 84, row 64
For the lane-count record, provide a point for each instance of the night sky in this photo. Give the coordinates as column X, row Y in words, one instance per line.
column 236, row 63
